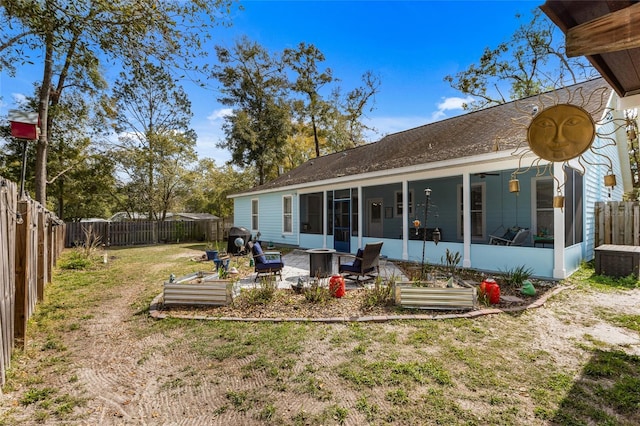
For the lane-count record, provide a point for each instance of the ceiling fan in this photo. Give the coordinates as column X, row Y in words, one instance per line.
column 483, row 175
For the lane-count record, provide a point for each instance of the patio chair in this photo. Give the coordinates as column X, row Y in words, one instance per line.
column 515, row 236
column 364, row 263
column 266, row 263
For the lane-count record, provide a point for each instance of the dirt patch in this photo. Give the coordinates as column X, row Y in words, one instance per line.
column 129, row 369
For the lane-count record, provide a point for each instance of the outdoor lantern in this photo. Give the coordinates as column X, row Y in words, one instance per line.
column 610, row 180
column 514, row 185
column 416, row 224
column 436, row 236
column 558, row 201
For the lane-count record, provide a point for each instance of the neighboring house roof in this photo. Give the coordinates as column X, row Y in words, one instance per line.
column 479, row 132
column 123, row 216
column 605, row 32
column 192, row 216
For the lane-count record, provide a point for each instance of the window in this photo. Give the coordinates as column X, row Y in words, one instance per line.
column 477, row 211
column 311, row 209
column 287, row 214
column 543, row 204
column 254, row 215
column 399, row 203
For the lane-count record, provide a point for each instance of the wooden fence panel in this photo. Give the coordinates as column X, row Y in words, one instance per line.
column 617, row 222
column 26, row 259
column 118, row 234
column 8, row 209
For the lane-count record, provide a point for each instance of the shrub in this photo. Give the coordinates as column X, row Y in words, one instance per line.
column 516, row 276
column 261, row 294
column 317, row 294
column 76, row 259
column 380, row 295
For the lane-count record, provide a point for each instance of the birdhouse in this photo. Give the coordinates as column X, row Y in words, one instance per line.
column 24, row 125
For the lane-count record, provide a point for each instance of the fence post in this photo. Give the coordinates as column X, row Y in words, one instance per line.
column 22, row 259
column 43, row 266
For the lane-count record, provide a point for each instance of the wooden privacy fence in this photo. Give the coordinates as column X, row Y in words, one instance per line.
column 31, row 239
column 114, row 234
column 617, row 222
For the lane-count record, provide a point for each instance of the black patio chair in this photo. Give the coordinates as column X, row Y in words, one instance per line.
column 364, row 263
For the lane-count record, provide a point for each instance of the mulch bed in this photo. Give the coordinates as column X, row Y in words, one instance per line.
column 287, row 304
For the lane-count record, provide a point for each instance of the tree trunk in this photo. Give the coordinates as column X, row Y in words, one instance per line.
column 43, row 113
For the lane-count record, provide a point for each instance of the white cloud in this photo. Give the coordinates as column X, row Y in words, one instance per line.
column 219, row 114
column 453, row 103
column 388, row 125
column 19, row 99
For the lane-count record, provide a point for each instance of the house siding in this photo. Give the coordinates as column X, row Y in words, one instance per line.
column 445, row 157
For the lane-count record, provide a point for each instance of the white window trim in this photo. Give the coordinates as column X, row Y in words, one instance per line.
column 284, row 231
column 256, row 214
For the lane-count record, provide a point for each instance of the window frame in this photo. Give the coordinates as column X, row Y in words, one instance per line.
column 286, row 214
column 255, row 214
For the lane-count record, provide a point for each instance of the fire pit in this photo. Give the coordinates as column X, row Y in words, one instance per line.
column 320, row 262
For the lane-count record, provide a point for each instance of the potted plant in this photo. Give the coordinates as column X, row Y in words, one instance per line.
column 211, row 250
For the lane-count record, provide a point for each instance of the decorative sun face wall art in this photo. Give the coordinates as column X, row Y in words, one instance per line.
column 566, row 126
column 561, row 132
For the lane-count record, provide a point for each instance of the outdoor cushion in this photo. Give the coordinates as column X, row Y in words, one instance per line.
column 270, row 265
column 348, row 267
column 358, row 260
column 258, row 254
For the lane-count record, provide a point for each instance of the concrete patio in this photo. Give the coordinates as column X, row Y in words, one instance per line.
column 296, row 265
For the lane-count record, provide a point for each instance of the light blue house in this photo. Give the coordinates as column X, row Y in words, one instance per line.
column 375, row 192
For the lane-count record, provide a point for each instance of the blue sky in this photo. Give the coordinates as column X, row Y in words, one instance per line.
column 411, row 45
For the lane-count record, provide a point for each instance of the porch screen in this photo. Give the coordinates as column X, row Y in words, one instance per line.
column 573, row 216
column 311, row 213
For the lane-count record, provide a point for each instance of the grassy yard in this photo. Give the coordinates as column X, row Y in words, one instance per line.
column 94, row 356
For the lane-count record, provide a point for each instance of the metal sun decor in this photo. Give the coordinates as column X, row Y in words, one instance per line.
column 561, row 128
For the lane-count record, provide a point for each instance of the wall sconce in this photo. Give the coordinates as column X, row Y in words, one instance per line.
column 416, row 224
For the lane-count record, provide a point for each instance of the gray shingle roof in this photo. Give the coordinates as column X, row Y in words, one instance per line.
column 458, row 137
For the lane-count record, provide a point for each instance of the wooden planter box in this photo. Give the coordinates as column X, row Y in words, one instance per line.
column 409, row 296
column 198, row 290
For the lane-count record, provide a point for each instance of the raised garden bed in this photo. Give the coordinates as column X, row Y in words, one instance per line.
column 198, row 289
column 436, row 295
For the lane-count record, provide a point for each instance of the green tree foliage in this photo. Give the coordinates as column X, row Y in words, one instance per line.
column 345, row 123
column 277, row 124
column 531, row 62
column 156, row 144
column 309, row 81
column 81, row 178
column 75, row 38
column 211, row 184
column 254, row 84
